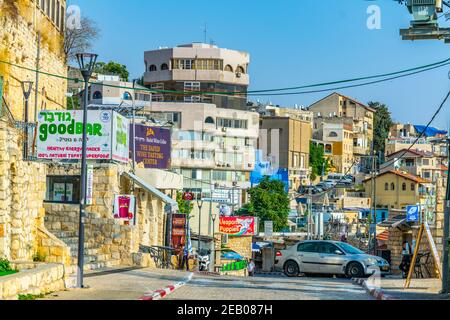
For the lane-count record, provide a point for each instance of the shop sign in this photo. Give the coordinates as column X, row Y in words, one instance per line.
column 237, row 226
column 233, row 266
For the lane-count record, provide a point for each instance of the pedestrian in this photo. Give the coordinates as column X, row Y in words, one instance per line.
column 185, row 259
column 251, row 268
column 406, row 259
column 343, row 238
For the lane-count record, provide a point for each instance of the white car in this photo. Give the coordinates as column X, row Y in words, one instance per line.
column 328, row 257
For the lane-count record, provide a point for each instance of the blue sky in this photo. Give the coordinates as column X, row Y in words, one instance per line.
column 291, row 42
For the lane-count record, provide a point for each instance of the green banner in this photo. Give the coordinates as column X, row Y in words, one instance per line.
column 238, row 265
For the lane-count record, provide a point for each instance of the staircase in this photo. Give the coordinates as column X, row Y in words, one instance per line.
column 93, row 257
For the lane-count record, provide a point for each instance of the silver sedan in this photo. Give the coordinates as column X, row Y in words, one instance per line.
column 328, row 257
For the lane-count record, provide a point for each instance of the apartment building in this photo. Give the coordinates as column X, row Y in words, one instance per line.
column 396, row 189
column 285, row 141
column 361, row 116
column 198, row 67
column 337, row 137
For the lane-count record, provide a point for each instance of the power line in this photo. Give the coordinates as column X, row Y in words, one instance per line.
column 419, row 69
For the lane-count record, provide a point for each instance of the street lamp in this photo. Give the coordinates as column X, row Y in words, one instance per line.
column 86, row 62
column 27, row 86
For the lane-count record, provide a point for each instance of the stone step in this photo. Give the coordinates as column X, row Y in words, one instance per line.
column 92, row 258
column 101, row 265
column 64, row 234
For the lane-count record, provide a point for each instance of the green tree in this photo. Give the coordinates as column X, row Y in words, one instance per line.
column 269, row 202
column 112, row 68
column 317, row 161
column 184, row 206
column 382, row 122
column 73, row 103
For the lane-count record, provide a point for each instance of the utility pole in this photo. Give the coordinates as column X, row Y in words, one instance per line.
column 446, row 242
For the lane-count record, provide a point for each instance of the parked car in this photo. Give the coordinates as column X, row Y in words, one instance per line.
column 326, row 185
column 328, row 257
column 310, row 189
column 341, row 179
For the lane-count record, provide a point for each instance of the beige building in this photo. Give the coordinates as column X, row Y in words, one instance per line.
column 214, row 150
column 398, row 189
column 360, row 115
column 198, row 67
column 285, row 142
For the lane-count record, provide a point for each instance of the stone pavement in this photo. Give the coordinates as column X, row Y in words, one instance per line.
column 269, row 287
column 419, row 289
column 120, row 284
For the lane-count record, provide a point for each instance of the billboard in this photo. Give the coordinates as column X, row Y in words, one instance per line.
column 152, row 145
column 60, row 135
column 237, row 226
column 178, row 230
column 125, row 207
column 120, row 140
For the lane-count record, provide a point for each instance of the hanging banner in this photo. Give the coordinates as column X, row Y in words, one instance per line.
column 152, row 145
column 124, row 207
column 60, row 133
column 120, row 148
column 90, row 184
column 237, row 226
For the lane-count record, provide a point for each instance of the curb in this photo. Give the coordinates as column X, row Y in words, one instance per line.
column 207, row 273
column 269, row 273
column 377, row 294
column 159, row 294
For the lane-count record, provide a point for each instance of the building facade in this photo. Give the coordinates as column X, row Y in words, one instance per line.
column 190, row 69
column 353, row 113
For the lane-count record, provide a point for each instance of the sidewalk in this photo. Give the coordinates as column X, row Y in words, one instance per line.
column 419, row 289
column 120, row 284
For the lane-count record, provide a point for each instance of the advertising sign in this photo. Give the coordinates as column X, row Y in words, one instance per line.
column 90, row 184
column 152, row 145
column 124, row 207
column 60, row 134
column 120, row 149
column 412, row 213
column 237, row 226
column 178, row 230
column 188, row 196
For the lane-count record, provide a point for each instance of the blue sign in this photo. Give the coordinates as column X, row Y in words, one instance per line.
column 265, row 168
column 412, row 213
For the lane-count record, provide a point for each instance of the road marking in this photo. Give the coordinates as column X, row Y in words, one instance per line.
column 159, row 294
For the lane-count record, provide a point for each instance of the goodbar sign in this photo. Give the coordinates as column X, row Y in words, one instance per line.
column 60, row 135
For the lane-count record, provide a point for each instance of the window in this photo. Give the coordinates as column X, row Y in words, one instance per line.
column 386, row 186
column 42, row 5
column 53, row 10
column 152, row 68
column 333, row 134
column 425, row 162
column 164, row 66
column 192, row 86
column 62, row 20
column 57, row 19
column 97, row 95
column 63, row 189
column 47, row 8
column 232, row 123
column 239, row 69
column 403, row 186
column 328, row 248
column 228, row 68
column 209, row 120
column 127, row 96
column 307, row 247
column 413, row 187
column 392, row 186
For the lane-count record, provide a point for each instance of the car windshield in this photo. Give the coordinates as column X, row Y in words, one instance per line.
column 349, row 249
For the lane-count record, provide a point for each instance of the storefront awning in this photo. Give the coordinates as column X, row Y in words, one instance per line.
column 172, row 204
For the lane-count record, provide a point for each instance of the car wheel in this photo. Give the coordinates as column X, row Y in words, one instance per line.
column 355, row 270
column 291, row 269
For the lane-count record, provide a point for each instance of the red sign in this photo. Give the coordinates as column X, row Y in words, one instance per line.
column 188, row 196
column 237, row 226
column 178, row 230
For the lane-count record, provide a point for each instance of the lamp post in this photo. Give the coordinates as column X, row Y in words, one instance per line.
column 27, row 86
column 86, row 62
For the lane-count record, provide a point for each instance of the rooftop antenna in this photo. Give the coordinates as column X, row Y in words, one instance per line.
column 205, row 33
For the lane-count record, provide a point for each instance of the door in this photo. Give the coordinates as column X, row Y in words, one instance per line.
column 308, row 257
column 330, row 261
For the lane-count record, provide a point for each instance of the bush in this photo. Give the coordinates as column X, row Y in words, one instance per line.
column 5, row 265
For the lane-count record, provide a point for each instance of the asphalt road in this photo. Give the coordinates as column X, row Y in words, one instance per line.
column 274, row 287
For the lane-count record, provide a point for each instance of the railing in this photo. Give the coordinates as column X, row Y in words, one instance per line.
column 162, row 256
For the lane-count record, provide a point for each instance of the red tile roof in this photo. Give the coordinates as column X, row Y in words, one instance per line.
column 413, row 151
column 405, row 175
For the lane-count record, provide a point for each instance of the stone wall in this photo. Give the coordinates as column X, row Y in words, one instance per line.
column 22, row 191
column 52, row 249
column 35, row 279
column 20, row 22
column 113, row 237
column 242, row 245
